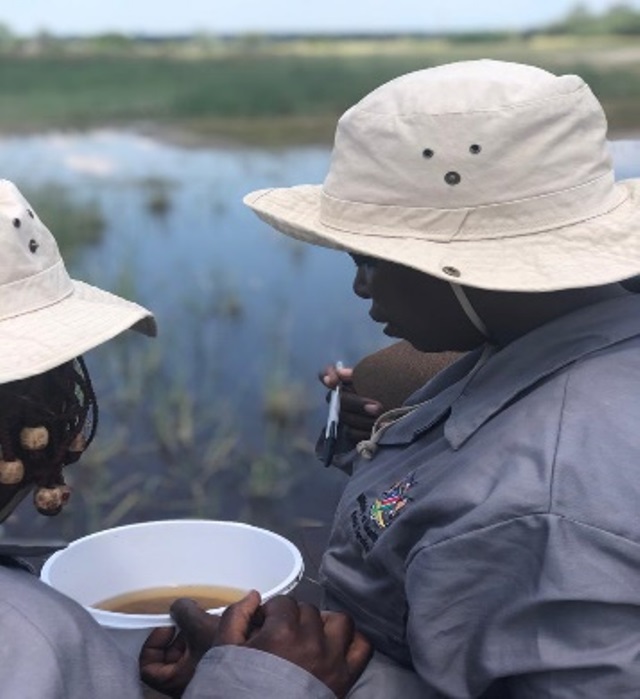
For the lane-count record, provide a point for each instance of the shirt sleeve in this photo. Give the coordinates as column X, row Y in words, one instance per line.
column 548, row 603
column 383, row 678
column 245, row 673
column 63, row 654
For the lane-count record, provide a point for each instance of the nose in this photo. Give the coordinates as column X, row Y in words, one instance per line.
column 362, row 282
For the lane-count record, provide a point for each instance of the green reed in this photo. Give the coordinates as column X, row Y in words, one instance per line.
column 270, row 91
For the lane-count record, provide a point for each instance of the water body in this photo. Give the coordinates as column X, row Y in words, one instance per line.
column 244, row 314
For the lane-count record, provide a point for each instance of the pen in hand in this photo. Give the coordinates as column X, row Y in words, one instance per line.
column 331, row 430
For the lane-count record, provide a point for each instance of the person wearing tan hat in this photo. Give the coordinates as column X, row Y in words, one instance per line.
column 48, row 415
column 488, row 540
column 51, row 648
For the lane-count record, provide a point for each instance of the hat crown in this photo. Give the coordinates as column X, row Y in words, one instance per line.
column 32, row 274
column 485, row 173
column 27, row 245
column 466, row 86
column 469, row 134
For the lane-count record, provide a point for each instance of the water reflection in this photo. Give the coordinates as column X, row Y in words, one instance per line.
column 246, row 317
column 207, row 245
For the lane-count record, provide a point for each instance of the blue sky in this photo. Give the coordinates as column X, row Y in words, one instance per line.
column 160, row 17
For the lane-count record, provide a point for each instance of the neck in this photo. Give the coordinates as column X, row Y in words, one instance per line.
column 509, row 315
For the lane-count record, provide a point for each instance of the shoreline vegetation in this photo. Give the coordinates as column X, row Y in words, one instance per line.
column 275, row 91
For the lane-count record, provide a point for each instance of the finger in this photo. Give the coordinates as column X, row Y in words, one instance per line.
column 353, row 403
column 283, row 608
column 169, row 678
column 159, row 639
column 156, row 674
column 339, row 629
column 158, row 665
column 359, row 653
column 199, row 628
column 345, row 374
column 330, row 376
column 238, row 620
column 311, row 618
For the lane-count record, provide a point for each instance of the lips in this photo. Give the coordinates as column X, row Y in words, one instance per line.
column 376, row 316
column 390, row 330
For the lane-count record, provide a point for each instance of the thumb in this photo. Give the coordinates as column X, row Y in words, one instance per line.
column 359, row 653
column 198, row 627
column 238, row 620
column 345, row 373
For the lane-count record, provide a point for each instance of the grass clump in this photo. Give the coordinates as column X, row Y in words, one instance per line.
column 279, row 92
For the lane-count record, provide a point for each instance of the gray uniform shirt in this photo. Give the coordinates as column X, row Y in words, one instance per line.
column 492, row 542
column 51, row 648
column 491, row 546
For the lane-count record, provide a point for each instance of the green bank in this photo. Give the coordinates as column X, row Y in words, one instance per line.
column 275, row 91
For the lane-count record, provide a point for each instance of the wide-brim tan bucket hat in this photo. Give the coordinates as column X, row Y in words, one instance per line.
column 484, row 173
column 47, row 318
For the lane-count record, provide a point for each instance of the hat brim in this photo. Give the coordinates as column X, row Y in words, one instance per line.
column 35, row 342
column 596, row 251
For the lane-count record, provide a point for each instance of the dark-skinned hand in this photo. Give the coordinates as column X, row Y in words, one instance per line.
column 357, row 413
column 324, row 644
column 168, row 660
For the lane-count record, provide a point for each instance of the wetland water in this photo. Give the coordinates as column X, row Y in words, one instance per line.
column 217, row 417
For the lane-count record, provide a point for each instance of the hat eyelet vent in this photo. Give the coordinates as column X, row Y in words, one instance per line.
column 427, row 153
column 17, row 223
column 452, row 178
column 474, row 149
column 30, row 213
column 451, row 271
column 33, row 245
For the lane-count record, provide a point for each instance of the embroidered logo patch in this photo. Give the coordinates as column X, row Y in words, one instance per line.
column 368, row 519
column 386, row 507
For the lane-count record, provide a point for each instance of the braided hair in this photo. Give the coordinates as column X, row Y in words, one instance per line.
column 46, row 422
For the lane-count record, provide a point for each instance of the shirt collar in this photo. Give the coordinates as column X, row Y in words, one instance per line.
column 536, row 355
column 433, row 401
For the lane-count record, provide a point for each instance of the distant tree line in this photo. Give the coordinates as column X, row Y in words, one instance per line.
column 620, row 18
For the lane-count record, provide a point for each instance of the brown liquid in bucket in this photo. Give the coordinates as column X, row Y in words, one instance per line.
column 157, row 600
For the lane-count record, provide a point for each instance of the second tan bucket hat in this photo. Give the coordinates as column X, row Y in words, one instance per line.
column 47, row 318
column 484, row 173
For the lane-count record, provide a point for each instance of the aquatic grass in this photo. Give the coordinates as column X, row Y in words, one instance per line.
column 228, row 305
column 157, row 194
column 285, row 409
column 274, row 92
column 285, row 404
column 269, row 477
column 160, row 451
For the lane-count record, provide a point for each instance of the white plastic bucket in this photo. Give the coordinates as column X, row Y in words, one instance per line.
column 171, row 552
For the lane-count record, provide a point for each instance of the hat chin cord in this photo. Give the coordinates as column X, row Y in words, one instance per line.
column 469, row 310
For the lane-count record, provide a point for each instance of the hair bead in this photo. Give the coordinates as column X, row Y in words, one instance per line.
column 49, row 501
column 11, row 472
column 34, row 438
